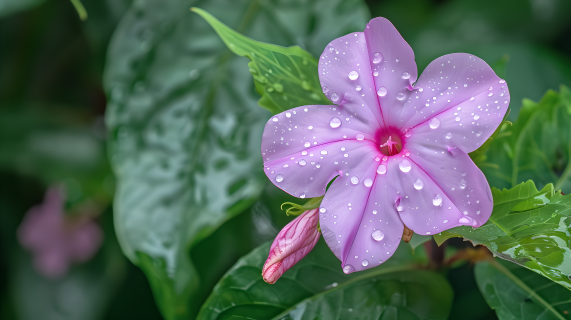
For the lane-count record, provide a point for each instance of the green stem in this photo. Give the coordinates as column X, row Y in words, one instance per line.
column 527, row 289
column 80, row 9
column 349, row 282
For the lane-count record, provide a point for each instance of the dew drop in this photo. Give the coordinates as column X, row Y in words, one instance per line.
column 400, row 208
column 382, row 169
column 288, row 114
column 457, row 119
column 463, row 173
column 434, row 123
column 323, row 152
column 307, row 144
column 354, row 180
column 348, row 269
column 279, row 178
column 322, row 210
column 405, row 165
column 365, row 263
column 401, row 96
column 377, row 57
column 378, row 235
column 360, row 136
column 382, row 92
column 325, row 89
column 302, row 163
column 334, row 97
column 465, row 220
column 335, row 122
column 368, row 182
column 437, row 201
column 353, row 75
column 449, row 135
column 405, row 75
column 302, row 195
column 275, row 119
column 472, row 99
column 418, row 184
column 479, row 133
column 358, row 87
column 476, row 117
column 462, row 184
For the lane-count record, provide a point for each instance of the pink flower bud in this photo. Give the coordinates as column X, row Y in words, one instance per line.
column 292, row 244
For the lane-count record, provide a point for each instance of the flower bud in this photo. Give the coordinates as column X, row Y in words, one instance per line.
column 293, row 243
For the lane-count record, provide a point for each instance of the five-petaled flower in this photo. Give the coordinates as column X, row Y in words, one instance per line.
column 399, row 147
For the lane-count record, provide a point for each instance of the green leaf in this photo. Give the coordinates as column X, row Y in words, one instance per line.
column 528, row 227
column 417, row 240
column 537, row 147
column 285, row 77
column 316, row 288
column 8, row 7
column 517, row 293
column 185, row 129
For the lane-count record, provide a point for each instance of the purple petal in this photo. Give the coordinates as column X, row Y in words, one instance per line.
column 346, row 76
column 452, row 191
column 302, row 152
column 461, row 104
column 392, row 59
column 359, row 221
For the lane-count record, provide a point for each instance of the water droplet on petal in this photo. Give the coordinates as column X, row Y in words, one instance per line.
column 378, row 235
column 288, row 114
column 434, row 123
column 368, row 183
column 360, row 136
column 377, row 57
column 465, row 220
column 325, row 89
column 353, row 75
column 437, row 201
column 400, row 208
column 334, row 97
column 335, row 122
column 382, row 169
column 358, row 87
column 462, row 184
column 365, row 263
column 418, row 184
column 449, row 135
column 401, row 96
column 348, row 269
column 302, row 163
column 405, row 165
column 476, row 117
column 472, row 99
column 323, row 152
column 463, row 173
column 279, row 178
column 478, row 133
column 457, row 119
column 382, row 92
column 405, row 75
column 307, row 144
column 354, row 180
column 322, row 210
column 275, row 119
column 302, row 195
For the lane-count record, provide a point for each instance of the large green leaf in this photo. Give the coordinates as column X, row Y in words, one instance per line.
column 185, row 128
column 517, row 293
column 529, row 227
column 8, row 7
column 316, row 288
column 285, row 77
column 537, row 147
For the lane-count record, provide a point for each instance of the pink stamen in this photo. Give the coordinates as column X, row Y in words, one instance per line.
column 392, row 146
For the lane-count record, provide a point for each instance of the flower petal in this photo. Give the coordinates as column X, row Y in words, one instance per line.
column 346, row 76
column 359, row 222
column 452, row 191
column 461, row 104
column 291, row 244
column 302, row 152
column 392, row 59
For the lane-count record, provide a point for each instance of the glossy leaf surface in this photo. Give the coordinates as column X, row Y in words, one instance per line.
column 529, row 227
column 517, row 293
column 317, row 288
column 185, row 128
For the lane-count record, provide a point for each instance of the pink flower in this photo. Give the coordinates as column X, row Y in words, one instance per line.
column 292, row 244
column 56, row 241
column 398, row 148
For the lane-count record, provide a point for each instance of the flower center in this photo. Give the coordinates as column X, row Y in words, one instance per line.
column 390, row 141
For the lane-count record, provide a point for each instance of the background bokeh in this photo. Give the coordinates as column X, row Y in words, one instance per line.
column 53, row 132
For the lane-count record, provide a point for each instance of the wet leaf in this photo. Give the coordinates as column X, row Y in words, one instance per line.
column 537, row 147
column 185, row 129
column 316, row 288
column 517, row 293
column 528, row 227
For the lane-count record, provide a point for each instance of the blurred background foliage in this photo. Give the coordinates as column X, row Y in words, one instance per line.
column 53, row 101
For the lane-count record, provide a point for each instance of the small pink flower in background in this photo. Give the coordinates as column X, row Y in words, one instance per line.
column 291, row 244
column 399, row 147
column 57, row 241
